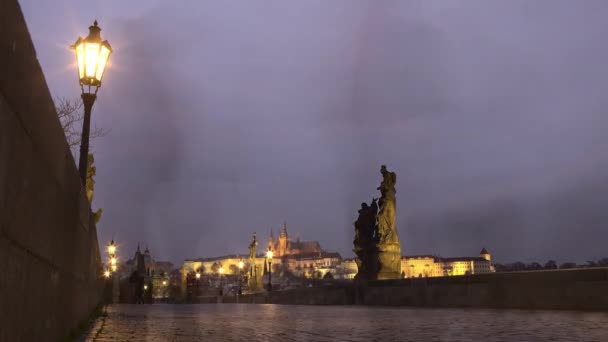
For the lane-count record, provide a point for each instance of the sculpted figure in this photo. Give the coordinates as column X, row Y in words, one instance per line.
column 91, row 171
column 376, row 240
column 365, row 226
column 252, row 279
column 387, row 216
column 253, row 247
column 365, row 240
column 90, row 188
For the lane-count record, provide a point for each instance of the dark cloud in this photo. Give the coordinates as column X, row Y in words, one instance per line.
column 228, row 118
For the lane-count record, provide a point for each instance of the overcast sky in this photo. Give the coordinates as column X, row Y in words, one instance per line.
column 229, row 117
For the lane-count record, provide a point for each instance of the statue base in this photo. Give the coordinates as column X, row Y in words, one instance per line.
column 389, row 255
column 367, row 263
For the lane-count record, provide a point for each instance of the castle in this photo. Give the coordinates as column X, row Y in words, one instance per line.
column 419, row 266
column 306, row 259
column 286, row 247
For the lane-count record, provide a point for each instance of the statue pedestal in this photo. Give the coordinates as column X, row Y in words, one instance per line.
column 367, row 263
column 389, row 256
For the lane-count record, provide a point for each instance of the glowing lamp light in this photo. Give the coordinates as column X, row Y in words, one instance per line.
column 269, row 254
column 92, row 56
column 221, row 270
column 106, row 274
column 164, row 283
column 198, row 275
column 113, row 261
column 241, row 264
column 112, row 248
column 145, row 287
column 114, row 268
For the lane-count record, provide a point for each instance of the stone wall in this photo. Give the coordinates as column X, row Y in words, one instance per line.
column 49, row 255
column 581, row 289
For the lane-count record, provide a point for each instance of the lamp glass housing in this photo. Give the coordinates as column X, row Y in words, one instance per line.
column 92, row 55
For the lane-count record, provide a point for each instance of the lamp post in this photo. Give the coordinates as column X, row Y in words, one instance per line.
column 269, row 257
column 221, row 284
column 113, row 268
column 241, row 265
column 198, row 278
column 92, row 56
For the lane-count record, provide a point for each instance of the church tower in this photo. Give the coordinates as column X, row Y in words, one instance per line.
column 484, row 254
column 283, row 248
column 271, row 242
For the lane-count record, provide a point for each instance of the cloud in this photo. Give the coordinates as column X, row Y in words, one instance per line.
column 228, row 118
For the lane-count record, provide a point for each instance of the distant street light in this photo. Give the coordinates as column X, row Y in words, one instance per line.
column 106, row 274
column 241, row 265
column 145, row 287
column 198, row 278
column 221, row 282
column 92, row 56
column 112, row 248
column 269, row 255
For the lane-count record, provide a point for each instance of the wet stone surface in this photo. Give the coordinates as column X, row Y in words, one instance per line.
column 267, row 322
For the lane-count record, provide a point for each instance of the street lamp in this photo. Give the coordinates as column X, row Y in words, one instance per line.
column 113, row 266
column 241, row 265
column 198, row 278
column 92, row 56
column 269, row 257
column 112, row 248
column 221, row 283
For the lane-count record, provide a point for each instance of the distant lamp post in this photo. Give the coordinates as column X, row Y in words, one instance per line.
column 92, row 56
column 198, row 278
column 106, row 274
column 221, row 281
column 145, row 287
column 241, row 265
column 112, row 248
column 269, row 255
column 113, row 259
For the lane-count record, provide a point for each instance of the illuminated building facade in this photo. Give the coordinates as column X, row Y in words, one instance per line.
column 434, row 266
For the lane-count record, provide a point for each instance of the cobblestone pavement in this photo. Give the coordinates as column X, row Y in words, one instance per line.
column 267, row 322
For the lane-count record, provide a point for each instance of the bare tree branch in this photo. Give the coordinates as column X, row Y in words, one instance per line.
column 71, row 116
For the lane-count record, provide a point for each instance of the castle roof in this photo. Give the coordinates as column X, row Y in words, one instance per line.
column 230, row 256
column 463, row 259
column 314, row 255
column 484, row 251
column 422, row 256
column 306, row 246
